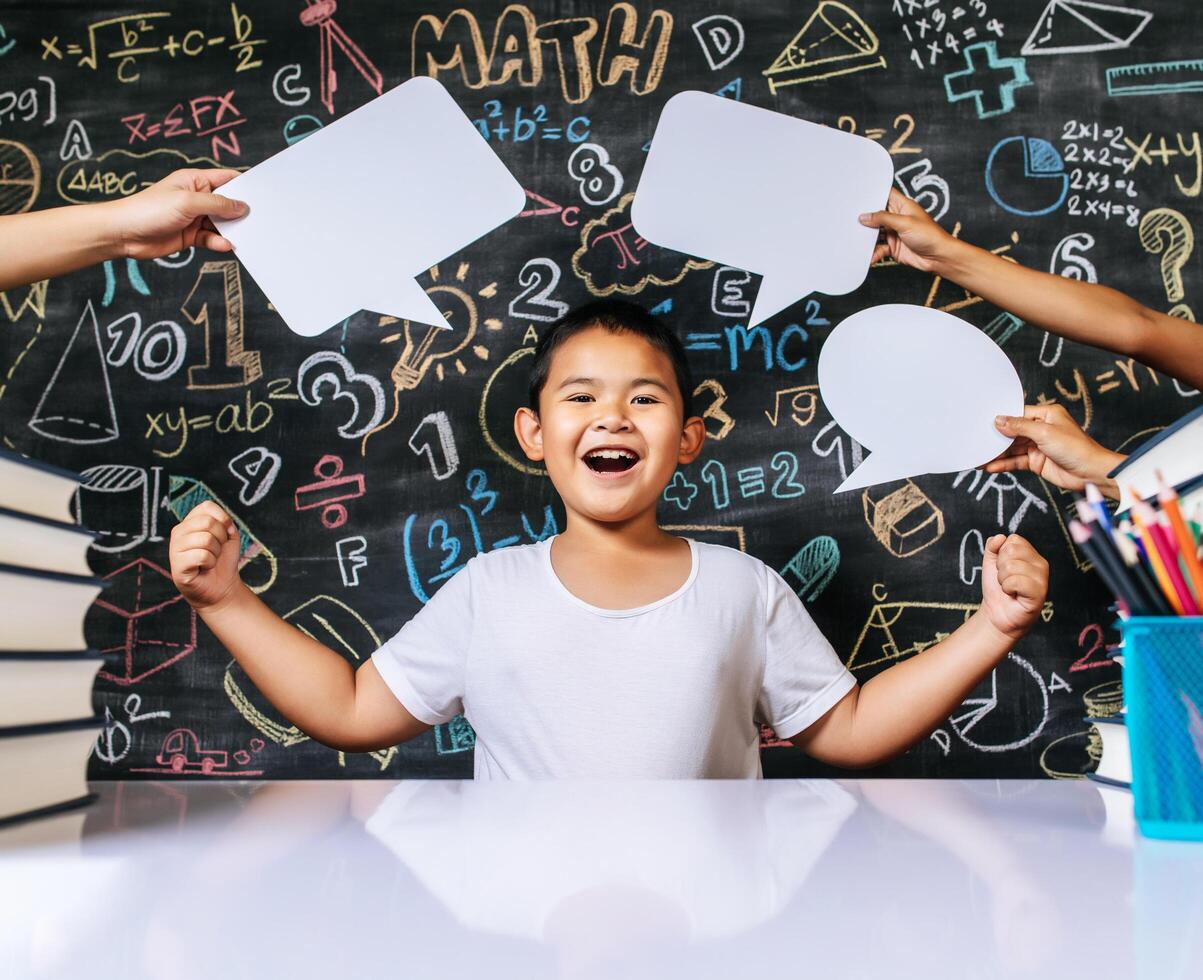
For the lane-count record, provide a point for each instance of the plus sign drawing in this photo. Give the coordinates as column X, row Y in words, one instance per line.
column 989, row 80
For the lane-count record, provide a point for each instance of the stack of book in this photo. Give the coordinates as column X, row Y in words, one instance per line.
column 1115, row 762
column 1110, row 746
column 47, row 723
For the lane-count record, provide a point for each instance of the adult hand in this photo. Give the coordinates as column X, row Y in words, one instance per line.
column 1049, row 443
column 174, row 214
column 908, row 233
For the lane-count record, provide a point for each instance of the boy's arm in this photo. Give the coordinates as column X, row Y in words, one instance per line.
column 164, row 218
column 1082, row 311
column 901, row 705
column 311, row 685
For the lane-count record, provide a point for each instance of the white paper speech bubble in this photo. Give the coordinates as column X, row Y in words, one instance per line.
column 919, row 388
column 344, row 219
column 764, row 192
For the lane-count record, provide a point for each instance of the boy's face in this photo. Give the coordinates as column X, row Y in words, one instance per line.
column 609, row 426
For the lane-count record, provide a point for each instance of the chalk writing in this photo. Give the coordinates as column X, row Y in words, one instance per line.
column 526, row 125
column 212, row 117
column 721, row 37
column 438, row 546
column 935, row 29
column 519, row 44
column 247, row 415
column 833, row 41
column 27, row 104
column 121, row 41
column 239, row 366
column 329, row 491
column 1161, row 153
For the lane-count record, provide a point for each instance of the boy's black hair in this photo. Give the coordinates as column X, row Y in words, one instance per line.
column 617, row 316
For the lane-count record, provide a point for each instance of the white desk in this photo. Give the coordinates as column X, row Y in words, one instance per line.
column 801, row 879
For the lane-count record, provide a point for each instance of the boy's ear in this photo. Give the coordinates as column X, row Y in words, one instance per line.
column 693, row 436
column 529, row 432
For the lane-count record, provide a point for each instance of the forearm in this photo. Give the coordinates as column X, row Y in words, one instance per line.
column 908, row 701
column 43, row 244
column 309, row 684
column 1084, row 312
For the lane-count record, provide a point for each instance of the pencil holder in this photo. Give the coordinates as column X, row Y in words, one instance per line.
column 1163, row 687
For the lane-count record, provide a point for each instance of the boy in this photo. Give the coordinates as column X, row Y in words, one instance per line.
column 1048, row 442
column 613, row 649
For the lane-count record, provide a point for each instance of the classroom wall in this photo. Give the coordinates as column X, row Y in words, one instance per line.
column 364, row 466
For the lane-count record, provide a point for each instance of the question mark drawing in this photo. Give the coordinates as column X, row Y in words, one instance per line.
column 1166, row 232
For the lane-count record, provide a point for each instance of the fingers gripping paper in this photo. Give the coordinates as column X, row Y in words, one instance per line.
column 918, row 387
column 344, row 220
column 797, row 191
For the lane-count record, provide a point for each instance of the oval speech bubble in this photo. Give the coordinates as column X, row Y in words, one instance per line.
column 919, row 388
column 764, row 192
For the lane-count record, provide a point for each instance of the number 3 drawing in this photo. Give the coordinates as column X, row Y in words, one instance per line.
column 313, row 375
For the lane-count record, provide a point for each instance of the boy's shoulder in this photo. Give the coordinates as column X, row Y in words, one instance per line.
column 734, row 566
column 510, row 560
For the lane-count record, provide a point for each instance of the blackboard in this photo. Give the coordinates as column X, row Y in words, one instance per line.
column 1029, row 128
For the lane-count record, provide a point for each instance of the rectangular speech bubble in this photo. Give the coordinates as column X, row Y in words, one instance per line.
column 765, row 192
column 346, row 218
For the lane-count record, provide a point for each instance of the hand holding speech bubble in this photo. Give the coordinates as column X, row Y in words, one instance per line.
column 919, row 388
column 765, row 192
column 344, row 219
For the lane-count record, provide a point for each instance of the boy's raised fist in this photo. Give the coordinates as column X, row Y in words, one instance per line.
column 1014, row 584
column 204, row 556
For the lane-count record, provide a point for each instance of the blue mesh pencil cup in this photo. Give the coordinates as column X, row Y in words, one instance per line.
column 1163, row 689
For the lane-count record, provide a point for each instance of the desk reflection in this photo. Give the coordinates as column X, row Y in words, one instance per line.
column 897, row 878
column 590, row 868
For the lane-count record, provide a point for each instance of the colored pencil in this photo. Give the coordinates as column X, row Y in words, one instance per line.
column 1141, row 575
column 1167, row 558
column 1149, row 554
column 1085, row 540
column 1168, row 499
column 1094, row 497
column 1110, row 558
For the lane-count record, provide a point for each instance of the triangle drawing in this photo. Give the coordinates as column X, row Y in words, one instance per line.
column 77, row 403
column 835, row 40
column 732, row 90
column 1081, row 26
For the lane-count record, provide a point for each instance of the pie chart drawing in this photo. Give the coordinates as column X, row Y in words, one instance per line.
column 1026, row 175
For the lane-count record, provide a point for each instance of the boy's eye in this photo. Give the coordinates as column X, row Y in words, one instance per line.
column 642, row 399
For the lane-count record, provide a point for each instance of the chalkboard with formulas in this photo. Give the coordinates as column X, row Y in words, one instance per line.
column 364, row 466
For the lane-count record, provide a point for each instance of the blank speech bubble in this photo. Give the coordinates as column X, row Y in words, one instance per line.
column 343, row 220
column 764, row 192
column 919, row 388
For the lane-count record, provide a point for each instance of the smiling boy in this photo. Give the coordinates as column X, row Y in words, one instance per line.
column 613, row 649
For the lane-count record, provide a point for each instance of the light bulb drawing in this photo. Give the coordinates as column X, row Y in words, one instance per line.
column 426, row 348
column 424, row 345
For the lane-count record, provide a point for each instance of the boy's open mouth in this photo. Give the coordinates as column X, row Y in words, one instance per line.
column 610, row 460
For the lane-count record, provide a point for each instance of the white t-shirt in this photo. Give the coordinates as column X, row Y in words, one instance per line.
column 557, row 688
